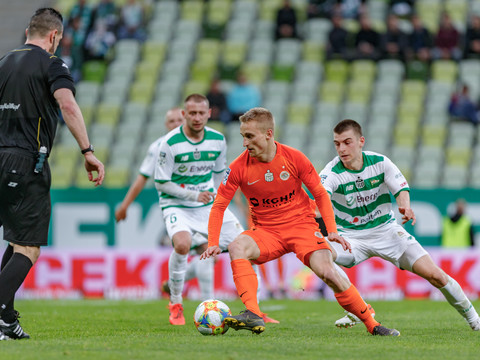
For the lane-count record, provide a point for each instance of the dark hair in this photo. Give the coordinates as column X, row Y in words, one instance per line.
column 198, row 98
column 45, row 20
column 348, row 124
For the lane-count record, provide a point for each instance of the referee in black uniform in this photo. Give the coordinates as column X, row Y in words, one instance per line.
column 34, row 85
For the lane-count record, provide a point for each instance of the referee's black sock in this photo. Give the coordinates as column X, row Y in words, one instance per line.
column 8, row 315
column 11, row 278
column 6, row 256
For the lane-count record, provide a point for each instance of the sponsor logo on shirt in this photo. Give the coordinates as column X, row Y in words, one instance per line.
column 182, row 168
column 323, row 177
column 350, row 199
column 358, row 221
column 162, row 158
column 184, row 158
column 225, row 178
column 273, row 202
column 203, row 168
column 349, row 188
column 374, row 181
column 9, row 106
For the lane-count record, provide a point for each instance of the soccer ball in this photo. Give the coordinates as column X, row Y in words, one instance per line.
column 210, row 316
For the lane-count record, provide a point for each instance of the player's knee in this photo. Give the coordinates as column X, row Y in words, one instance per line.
column 182, row 248
column 236, row 250
column 438, row 277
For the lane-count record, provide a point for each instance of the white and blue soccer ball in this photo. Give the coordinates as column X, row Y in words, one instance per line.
column 210, row 316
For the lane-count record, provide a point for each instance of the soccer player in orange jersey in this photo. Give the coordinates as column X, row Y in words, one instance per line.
column 271, row 175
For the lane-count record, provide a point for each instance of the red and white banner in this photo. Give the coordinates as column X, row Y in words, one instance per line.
column 114, row 273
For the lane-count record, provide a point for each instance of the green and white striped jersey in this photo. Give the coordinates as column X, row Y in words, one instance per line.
column 361, row 199
column 190, row 165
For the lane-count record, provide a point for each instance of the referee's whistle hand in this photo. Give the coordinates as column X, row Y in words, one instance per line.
column 93, row 164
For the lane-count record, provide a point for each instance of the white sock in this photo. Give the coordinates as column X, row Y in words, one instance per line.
column 177, row 266
column 457, row 298
column 341, row 272
column 204, row 271
column 191, row 268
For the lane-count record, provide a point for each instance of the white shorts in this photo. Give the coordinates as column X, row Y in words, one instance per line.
column 195, row 221
column 390, row 242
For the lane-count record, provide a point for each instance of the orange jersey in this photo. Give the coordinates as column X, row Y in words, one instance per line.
column 273, row 190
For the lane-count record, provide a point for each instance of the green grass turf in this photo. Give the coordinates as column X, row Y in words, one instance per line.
column 103, row 329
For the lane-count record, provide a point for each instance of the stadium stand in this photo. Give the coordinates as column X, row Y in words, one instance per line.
column 402, row 105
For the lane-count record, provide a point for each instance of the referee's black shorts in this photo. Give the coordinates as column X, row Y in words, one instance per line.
column 24, row 198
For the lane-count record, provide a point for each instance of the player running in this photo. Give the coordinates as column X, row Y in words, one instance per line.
column 359, row 183
column 271, row 175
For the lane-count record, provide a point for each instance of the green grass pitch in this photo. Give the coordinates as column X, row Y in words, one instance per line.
column 104, row 329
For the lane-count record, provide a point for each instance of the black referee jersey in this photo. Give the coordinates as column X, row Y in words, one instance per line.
column 29, row 112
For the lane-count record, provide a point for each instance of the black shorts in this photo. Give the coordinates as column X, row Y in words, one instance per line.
column 24, row 198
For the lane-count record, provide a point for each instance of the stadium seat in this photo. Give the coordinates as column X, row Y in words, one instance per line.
column 454, row 177
column 192, row 10
column 116, row 177
column 332, row 92
column 282, row 72
column 107, row 114
column 363, row 70
column 458, row 156
column 299, row 113
column 142, row 91
column 336, row 70
column 444, row 71
column 256, row 73
column 417, row 70
column 233, row 53
column 313, row 51
column 94, row 70
column 433, row 135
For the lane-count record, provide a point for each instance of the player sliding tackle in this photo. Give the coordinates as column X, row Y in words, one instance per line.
column 271, row 175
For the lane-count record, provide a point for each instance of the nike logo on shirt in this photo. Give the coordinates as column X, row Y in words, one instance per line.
column 251, row 183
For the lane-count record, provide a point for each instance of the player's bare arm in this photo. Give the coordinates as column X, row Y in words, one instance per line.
column 403, row 202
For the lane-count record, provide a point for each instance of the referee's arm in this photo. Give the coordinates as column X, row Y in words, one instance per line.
column 74, row 120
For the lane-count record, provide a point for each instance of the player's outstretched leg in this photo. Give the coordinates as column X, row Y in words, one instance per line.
column 350, row 319
column 246, row 282
column 351, row 301
column 246, row 320
column 457, row 298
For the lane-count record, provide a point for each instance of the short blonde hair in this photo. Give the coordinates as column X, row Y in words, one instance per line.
column 261, row 115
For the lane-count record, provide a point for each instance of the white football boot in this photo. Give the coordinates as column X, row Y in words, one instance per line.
column 350, row 319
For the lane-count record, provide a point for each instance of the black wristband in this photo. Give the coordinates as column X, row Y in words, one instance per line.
column 89, row 148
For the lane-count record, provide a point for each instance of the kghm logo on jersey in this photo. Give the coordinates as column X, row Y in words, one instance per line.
column 268, row 176
column 284, row 175
column 359, row 183
column 196, row 154
column 225, row 178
